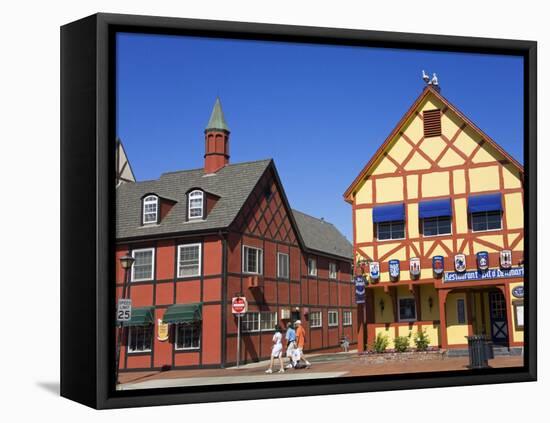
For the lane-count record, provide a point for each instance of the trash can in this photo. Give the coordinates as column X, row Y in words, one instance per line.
column 480, row 350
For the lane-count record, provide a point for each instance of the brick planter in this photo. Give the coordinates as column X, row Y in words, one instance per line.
column 373, row 357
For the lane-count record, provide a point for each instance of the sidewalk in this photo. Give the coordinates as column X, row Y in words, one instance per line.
column 323, row 366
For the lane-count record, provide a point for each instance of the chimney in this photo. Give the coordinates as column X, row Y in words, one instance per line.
column 216, row 141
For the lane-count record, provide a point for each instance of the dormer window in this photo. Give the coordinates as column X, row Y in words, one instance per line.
column 196, row 204
column 150, row 209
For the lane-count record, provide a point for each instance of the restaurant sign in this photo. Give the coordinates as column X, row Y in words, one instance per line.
column 474, row 275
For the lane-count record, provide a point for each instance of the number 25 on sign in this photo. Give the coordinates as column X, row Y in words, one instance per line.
column 124, row 310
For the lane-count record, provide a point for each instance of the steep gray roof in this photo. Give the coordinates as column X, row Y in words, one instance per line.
column 320, row 235
column 233, row 184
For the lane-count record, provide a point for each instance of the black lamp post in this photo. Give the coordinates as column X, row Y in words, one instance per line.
column 126, row 262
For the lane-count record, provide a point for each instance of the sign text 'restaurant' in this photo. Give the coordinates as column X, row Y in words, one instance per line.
column 474, row 275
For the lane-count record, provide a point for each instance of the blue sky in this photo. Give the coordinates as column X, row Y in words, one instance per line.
column 320, row 111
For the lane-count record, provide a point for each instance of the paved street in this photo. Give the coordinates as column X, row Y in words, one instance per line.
column 323, row 366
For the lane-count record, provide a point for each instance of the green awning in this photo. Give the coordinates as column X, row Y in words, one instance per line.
column 141, row 316
column 183, row 313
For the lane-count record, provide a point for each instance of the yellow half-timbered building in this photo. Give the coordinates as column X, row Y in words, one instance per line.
column 438, row 232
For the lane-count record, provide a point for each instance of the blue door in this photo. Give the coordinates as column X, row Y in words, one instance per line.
column 499, row 325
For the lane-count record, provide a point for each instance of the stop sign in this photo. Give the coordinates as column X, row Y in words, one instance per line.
column 239, row 305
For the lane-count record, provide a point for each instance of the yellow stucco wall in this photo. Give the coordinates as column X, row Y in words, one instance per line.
column 514, row 210
column 456, row 332
column 517, row 333
column 459, row 181
column 432, row 331
column 435, row 184
column 412, row 220
column 460, row 215
column 364, row 194
column 389, row 189
column 427, row 292
column 363, row 225
column 484, row 179
column 412, row 187
column 385, row 316
column 512, row 178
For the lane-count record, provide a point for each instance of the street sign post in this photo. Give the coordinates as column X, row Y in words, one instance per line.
column 124, row 310
column 239, row 306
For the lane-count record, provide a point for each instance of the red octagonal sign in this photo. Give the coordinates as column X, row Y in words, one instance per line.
column 239, row 305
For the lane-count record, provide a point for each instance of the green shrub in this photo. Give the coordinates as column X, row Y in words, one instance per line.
column 380, row 343
column 401, row 343
column 421, row 340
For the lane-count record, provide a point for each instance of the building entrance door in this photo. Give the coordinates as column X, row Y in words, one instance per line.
column 499, row 325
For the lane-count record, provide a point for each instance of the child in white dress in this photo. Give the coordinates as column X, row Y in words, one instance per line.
column 277, row 350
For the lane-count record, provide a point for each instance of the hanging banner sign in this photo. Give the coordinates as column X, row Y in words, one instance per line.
column 360, row 289
column 460, row 262
column 474, row 275
column 438, row 265
column 394, row 269
column 482, row 259
column 414, row 266
column 374, row 268
column 506, row 259
column 518, row 291
column 162, row 330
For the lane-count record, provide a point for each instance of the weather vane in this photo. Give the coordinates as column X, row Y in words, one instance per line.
column 433, row 81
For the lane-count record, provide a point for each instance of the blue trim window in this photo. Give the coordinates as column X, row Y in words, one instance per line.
column 390, row 230
column 433, row 226
column 486, row 221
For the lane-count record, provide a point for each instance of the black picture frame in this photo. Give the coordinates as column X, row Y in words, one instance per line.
column 87, row 208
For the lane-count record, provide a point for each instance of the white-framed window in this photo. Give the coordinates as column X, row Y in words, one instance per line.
column 195, row 204
column 407, row 309
column 252, row 260
column 311, row 267
column 188, row 336
column 282, row 266
column 346, row 318
column 332, row 270
column 189, row 260
column 390, row 230
column 315, row 319
column 486, row 221
column 333, row 318
column 150, row 209
column 254, row 321
column 268, row 320
column 434, row 226
column 143, row 268
column 140, row 338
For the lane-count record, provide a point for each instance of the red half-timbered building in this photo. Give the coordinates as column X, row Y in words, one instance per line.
column 200, row 237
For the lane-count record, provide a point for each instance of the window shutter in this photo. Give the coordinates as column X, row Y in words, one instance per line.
column 432, row 123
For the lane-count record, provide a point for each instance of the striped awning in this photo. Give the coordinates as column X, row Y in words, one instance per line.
column 183, row 313
column 141, row 316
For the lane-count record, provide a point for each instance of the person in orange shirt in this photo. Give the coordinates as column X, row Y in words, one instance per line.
column 301, row 340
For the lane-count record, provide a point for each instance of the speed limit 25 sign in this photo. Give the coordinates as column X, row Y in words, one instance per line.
column 124, row 310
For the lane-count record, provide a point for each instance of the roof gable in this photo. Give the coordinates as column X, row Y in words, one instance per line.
column 464, row 141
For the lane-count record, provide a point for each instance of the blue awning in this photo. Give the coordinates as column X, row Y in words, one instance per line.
column 388, row 213
column 484, row 203
column 435, row 208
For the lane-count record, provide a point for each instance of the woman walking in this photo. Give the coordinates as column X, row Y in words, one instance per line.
column 277, row 350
